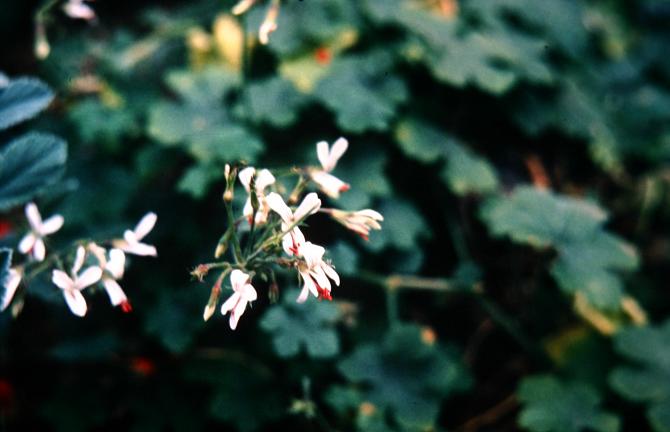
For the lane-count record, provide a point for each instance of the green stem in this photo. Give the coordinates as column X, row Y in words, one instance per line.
column 392, row 306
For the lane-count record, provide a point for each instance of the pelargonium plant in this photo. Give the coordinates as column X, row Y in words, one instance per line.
column 267, row 235
column 105, row 262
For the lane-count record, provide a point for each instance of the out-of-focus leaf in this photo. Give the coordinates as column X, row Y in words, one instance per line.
column 309, row 325
column 29, row 164
column 198, row 178
column 365, row 170
column 305, row 25
column 199, row 120
column 73, row 410
column 362, row 91
column 464, row 171
column 589, row 258
column 244, row 391
column 492, row 58
column 553, row 406
column 172, row 321
column 96, row 348
column 407, row 375
column 648, row 379
column 274, row 101
column 403, row 224
column 98, row 124
column 345, row 258
column 22, row 99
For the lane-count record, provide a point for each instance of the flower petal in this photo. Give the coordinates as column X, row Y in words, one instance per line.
column 114, row 291
column 276, row 203
column 264, row 179
column 27, row 243
column 11, row 283
column 140, row 249
column 329, row 184
column 88, row 277
column 323, row 153
column 51, row 225
column 336, row 151
column 249, row 293
column 238, row 279
column 76, row 302
column 62, row 280
column 304, row 293
column 79, row 260
column 245, row 177
column 229, row 304
column 309, row 205
column 145, row 225
column 330, row 271
column 39, row 250
column 116, row 264
column 33, row 216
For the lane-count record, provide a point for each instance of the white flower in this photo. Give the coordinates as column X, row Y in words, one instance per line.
column 72, row 285
column 112, row 268
column 11, row 283
column 360, row 222
column 131, row 239
column 309, row 205
column 243, row 293
column 263, row 179
column 315, row 272
column 33, row 242
column 329, row 184
column 77, row 9
column 269, row 24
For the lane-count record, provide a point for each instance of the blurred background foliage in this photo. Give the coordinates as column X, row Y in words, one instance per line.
column 518, row 150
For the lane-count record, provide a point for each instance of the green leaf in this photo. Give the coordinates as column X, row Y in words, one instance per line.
column 365, row 170
column 99, row 124
column 172, row 320
column 309, row 325
column 303, row 26
column 245, row 391
column 464, row 172
column 345, row 258
column 493, row 58
column 28, row 165
column 197, row 180
column 648, row 378
column 406, row 375
column 274, row 101
column 550, row 405
column 362, row 92
column 589, row 258
column 5, row 264
column 403, row 224
column 22, row 99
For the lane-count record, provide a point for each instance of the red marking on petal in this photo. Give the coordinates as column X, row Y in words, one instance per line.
column 345, row 187
column 324, row 294
column 126, row 307
column 142, row 366
column 323, row 56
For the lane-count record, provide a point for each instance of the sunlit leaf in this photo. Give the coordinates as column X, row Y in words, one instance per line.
column 589, row 260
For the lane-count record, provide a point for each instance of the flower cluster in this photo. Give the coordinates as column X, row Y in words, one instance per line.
column 269, row 236
column 105, row 266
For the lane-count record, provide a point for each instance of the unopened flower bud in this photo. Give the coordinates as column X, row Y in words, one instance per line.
column 213, row 299
column 222, row 246
column 273, row 293
column 42, row 47
column 200, row 271
column 269, row 23
column 230, row 174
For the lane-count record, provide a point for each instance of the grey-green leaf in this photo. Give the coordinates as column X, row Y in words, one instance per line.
column 28, row 165
column 22, row 99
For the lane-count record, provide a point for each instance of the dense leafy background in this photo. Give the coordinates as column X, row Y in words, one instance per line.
column 518, row 150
